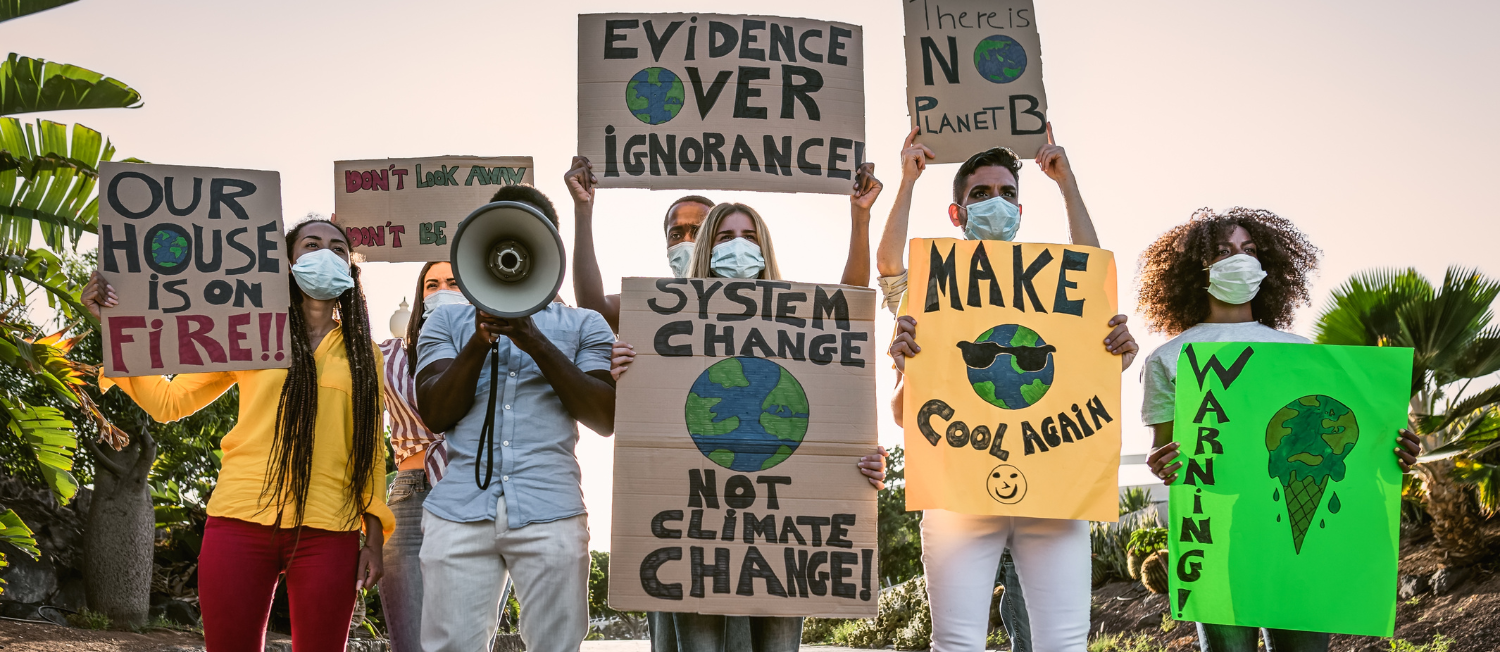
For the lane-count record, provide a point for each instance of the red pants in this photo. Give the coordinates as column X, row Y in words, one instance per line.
column 237, row 573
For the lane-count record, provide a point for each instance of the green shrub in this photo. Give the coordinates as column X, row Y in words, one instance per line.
column 1147, row 540
column 996, row 640
column 88, row 619
column 1110, row 541
column 1124, row 643
column 1440, row 643
column 1134, row 499
column 820, row 630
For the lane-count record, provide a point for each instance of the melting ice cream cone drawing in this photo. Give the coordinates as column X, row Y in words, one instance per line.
column 1308, row 441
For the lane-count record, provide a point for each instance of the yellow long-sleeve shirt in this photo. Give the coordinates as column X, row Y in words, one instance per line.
column 247, row 446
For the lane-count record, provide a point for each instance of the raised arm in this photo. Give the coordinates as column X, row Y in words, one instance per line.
column 1053, row 161
column 588, row 283
column 866, row 190
column 888, row 256
column 165, row 400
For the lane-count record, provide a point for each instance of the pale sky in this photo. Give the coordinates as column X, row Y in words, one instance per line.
column 1369, row 124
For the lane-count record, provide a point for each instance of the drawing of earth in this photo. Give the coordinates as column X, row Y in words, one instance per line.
column 169, row 247
column 1009, row 366
column 747, row 414
column 1000, row 59
column 654, row 95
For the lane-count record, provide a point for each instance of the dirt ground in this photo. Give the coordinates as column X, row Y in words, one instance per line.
column 1469, row 614
column 28, row 637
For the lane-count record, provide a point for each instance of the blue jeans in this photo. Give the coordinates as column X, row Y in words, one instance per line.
column 401, row 586
column 1235, row 638
column 686, row 632
column 1013, row 607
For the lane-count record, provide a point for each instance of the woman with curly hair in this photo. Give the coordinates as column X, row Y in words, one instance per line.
column 300, row 470
column 1236, row 276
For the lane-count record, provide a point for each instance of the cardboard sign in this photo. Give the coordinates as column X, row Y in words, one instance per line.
column 403, row 210
column 1012, row 407
column 198, row 259
column 738, row 430
column 974, row 76
column 712, row 101
column 1286, row 513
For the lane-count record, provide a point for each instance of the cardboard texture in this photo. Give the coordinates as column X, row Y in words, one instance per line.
column 1012, row 406
column 738, row 430
column 721, row 102
column 974, row 76
column 1286, row 513
column 404, row 209
column 198, row 259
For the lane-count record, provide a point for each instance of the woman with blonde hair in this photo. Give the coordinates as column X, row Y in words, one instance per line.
column 734, row 242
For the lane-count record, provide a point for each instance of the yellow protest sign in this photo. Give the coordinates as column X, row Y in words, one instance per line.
column 1012, row 407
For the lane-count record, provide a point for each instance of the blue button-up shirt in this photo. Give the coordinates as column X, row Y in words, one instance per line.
column 535, row 468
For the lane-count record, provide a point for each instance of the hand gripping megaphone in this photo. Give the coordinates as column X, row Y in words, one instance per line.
column 508, row 259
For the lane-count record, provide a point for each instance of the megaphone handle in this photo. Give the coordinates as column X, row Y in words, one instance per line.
column 487, row 433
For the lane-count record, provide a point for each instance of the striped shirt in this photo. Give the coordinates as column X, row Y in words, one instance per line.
column 408, row 435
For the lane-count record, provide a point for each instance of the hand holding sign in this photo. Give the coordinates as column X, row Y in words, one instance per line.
column 1053, row 161
column 866, row 188
column 1120, row 342
column 580, row 180
column 914, row 157
column 98, row 294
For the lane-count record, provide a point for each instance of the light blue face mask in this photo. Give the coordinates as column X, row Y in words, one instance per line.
column 322, row 275
column 738, row 258
column 442, row 298
column 680, row 257
column 992, row 219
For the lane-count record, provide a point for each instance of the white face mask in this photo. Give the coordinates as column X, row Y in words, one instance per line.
column 442, row 298
column 1236, row 279
column 992, row 219
column 738, row 258
column 322, row 274
column 680, row 257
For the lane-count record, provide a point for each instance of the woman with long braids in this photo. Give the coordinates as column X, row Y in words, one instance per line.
column 301, row 466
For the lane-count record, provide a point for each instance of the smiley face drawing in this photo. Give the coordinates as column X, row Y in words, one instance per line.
column 1006, row 484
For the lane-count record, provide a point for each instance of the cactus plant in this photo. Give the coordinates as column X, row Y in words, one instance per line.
column 1133, row 561
column 1154, row 572
column 1142, row 543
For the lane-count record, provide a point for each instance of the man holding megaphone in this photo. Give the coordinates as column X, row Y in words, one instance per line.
column 508, row 378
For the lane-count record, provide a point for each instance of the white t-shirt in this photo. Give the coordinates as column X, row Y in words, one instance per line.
column 1159, row 375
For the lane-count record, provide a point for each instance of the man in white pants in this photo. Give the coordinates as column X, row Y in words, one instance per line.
column 510, row 502
column 961, row 552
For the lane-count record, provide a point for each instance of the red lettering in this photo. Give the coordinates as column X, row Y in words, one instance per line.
column 237, row 352
column 351, row 181
column 117, row 337
column 188, row 336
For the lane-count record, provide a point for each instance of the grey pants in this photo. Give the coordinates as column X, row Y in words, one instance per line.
column 401, row 586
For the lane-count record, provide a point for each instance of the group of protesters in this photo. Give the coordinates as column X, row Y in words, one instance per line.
column 299, row 493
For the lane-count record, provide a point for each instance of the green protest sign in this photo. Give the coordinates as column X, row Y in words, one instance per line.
column 1286, row 511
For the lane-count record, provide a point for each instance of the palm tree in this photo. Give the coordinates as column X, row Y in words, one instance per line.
column 47, row 183
column 1449, row 329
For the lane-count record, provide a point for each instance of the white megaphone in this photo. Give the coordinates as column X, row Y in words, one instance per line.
column 508, row 259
